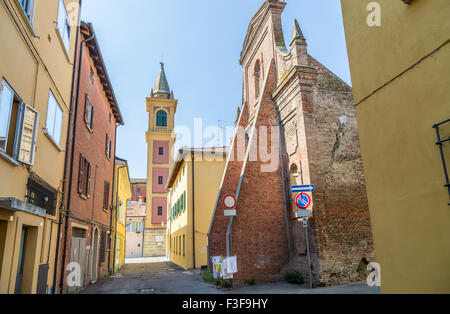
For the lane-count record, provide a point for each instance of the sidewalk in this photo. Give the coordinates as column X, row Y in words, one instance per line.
column 146, row 260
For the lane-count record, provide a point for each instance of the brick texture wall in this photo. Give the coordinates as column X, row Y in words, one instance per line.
column 92, row 144
column 319, row 145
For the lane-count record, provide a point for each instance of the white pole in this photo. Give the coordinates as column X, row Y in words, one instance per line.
column 305, row 225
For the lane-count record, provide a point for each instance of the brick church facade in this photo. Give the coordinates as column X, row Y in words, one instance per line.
column 308, row 115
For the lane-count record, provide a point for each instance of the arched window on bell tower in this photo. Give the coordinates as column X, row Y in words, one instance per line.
column 161, row 118
column 257, row 76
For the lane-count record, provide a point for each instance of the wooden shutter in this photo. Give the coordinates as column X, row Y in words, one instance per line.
column 92, row 117
column 88, row 181
column 102, row 246
column 86, row 110
column 81, row 175
column 106, row 196
column 107, row 146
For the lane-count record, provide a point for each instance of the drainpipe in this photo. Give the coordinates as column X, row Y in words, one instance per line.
column 112, row 198
column 193, row 205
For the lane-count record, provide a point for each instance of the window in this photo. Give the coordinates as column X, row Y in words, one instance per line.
column 138, row 192
column 84, row 177
column 139, row 227
column 160, row 211
column 161, row 118
column 106, row 195
column 28, row 9
column 160, row 180
column 108, row 147
column 18, row 126
column 89, row 114
column 63, row 25
column 184, row 245
column 161, row 151
column 54, row 119
column 41, row 194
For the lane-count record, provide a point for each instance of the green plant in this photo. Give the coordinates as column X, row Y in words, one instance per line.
column 295, row 277
column 208, row 277
column 251, row 282
column 224, row 283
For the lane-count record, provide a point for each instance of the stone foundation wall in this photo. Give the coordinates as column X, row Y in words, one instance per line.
column 152, row 248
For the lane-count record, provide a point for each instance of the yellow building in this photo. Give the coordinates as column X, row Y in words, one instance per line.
column 121, row 195
column 193, row 186
column 37, row 54
column 400, row 59
column 161, row 107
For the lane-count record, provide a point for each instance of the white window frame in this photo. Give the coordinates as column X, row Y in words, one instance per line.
column 20, row 123
column 51, row 133
column 19, row 133
column 3, row 85
column 62, row 29
column 30, row 17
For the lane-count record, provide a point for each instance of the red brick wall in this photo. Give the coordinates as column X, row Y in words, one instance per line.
column 93, row 147
column 321, row 146
column 259, row 236
column 143, row 193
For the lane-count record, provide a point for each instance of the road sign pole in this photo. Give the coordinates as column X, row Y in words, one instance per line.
column 305, row 225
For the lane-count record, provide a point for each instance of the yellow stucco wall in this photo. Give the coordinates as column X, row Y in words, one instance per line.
column 122, row 193
column 207, row 177
column 408, row 203
column 34, row 61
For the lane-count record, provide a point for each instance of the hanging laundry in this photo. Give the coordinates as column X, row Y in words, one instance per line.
column 231, row 264
column 216, row 261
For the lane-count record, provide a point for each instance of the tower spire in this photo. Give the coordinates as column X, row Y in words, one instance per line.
column 161, row 89
column 297, row 33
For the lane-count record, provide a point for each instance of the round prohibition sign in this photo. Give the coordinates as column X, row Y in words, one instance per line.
column 303, row 201
column 229, row 201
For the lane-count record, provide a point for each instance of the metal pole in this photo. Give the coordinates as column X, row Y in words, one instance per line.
column 305, row 225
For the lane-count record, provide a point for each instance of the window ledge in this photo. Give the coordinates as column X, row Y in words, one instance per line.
column 9, row 159
column 66, row 53
column 83, row 196
column 52, row 140
column 89, row 128
column 28, row 23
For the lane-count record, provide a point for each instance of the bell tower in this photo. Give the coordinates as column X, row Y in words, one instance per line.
column 161, row 108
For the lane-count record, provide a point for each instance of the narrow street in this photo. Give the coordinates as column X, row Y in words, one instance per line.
column 163, row 277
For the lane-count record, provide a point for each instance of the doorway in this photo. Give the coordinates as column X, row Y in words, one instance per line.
column 21, row 261
column 3, row 229
column 95, row 256
column 78, row 254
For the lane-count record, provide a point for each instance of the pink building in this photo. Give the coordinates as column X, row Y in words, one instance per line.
column 135, row 229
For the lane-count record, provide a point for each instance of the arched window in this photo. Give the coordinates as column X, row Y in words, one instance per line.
column 257, row 76
column 161, row 118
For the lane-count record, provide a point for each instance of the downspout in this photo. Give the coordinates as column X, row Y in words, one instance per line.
column 193, row 205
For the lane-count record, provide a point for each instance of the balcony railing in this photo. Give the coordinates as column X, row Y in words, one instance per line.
column 440, row 142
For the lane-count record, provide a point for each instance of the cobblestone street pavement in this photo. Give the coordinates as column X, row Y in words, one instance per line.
column 167, row 278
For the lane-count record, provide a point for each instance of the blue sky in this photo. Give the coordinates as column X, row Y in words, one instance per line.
column 201, row 42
